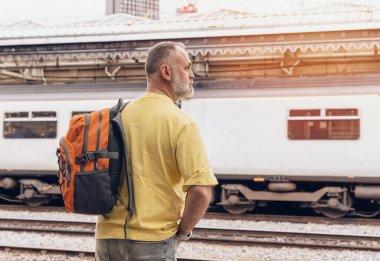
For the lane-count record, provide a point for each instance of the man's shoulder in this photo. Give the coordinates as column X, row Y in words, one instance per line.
column 159, row 108
column 183, row 117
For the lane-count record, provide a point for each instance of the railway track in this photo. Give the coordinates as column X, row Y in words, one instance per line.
column 287, row 238
column 32, row 209
column 203, row 237
column 294, row 219
column 207, row 235
column 227, row 216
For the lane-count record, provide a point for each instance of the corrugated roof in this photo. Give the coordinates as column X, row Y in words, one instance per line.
column 16, row 24
column 123, row 27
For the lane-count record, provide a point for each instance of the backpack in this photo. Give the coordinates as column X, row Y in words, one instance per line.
column 90, row 160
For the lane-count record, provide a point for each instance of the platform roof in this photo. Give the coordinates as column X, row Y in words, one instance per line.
column 336, row 17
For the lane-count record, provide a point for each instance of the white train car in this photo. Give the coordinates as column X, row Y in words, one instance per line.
column 318, row 149
column 33, row 118
column 309, row 141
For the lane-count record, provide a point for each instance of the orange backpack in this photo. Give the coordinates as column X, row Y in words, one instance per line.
column 90, row 158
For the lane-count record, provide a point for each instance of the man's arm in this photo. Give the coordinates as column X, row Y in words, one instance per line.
column 197, row 201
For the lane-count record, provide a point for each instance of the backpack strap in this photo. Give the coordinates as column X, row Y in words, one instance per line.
column 119, row 107
column 117, row 119
column 93, row 155
column 85, row 139
column 98, row 137
column 128, row 173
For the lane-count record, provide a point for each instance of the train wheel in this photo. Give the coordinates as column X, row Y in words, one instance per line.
column 36, row 202
column 240, row 208
column 236, row 209
column 335, row 212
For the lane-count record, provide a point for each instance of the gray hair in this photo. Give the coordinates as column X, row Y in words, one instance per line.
column 158, row 54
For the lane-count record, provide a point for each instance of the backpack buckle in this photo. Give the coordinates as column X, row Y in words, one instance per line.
column 58, row 152
column 82, row 159
column 85, row 158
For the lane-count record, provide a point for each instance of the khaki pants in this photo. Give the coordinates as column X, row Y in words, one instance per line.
column 115, row 249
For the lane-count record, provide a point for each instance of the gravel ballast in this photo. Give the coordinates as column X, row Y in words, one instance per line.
column 192, row 249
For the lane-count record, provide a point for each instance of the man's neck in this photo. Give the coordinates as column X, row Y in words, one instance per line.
column 161, row 90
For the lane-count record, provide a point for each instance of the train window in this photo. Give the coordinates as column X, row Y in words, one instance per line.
column 338, row 124
column 30, row 125
column 44, row 114
column 21, row 114
column 300, row 113
column 79, row 112
column 341, row 112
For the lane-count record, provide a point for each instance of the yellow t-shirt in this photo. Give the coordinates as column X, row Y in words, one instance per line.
column 167, row 157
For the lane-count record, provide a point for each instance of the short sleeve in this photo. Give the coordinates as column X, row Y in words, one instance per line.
column 192, row 159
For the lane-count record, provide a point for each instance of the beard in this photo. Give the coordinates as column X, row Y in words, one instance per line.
column 180, row 89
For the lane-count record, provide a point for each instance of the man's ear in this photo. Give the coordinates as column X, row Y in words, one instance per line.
column 165, row 72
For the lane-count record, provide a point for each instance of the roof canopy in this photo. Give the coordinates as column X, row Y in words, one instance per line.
column 220, row 23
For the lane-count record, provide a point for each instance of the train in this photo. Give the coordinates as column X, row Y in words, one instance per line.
column 311, row 142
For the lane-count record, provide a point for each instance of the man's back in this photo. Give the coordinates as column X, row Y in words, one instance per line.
column 159, row 139
column 168, row 163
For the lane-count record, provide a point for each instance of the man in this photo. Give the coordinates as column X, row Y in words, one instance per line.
column 168, row 161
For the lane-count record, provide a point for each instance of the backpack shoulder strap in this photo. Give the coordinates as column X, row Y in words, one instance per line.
column 123, row 105
column 119, row 106
column 118, row 121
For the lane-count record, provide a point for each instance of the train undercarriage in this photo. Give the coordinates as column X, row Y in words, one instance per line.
column 30, row 190
column 332, row 200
